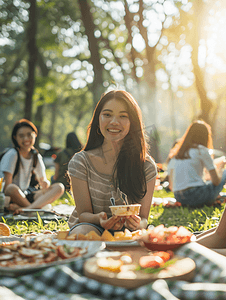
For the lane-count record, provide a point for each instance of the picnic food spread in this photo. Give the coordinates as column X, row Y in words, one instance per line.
column 151, row 261
column 136, row 264
column 135, row 268
column 159, row 238
column 181, row 267
column 35, row 251
column 106, row 236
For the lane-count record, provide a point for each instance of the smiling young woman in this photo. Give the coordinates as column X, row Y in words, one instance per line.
column 114, row 160
column 25, row 138
column 114, row 121
column 17, row 186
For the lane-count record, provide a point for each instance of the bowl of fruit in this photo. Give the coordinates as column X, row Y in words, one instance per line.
column 162, row 238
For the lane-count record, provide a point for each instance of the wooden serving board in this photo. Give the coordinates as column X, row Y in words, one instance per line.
column 182, row 269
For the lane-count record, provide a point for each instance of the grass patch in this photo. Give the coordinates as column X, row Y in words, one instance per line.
column 194, row 219
column 24, row 227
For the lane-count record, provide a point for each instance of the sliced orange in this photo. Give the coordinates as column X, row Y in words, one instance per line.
column 109, row 264
column 72, row 237
column 119, row 235
column 93, row 236
column 107, row 236
column 81, row 236
column 4, row 229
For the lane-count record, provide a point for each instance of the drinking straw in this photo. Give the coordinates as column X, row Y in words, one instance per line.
column 1, row 180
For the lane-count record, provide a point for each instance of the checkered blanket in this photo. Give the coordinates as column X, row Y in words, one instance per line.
column 68, row 282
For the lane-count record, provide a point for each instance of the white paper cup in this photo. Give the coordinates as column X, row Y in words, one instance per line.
column 125, row 210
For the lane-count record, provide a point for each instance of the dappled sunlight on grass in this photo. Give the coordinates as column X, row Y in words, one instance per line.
column 25, row 227
column 49, row 173
column 194, row 219
column 163, row 194
column 66, row 198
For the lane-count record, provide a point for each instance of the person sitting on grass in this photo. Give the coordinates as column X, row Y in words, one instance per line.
column 20, row 187
column 113, row 163
column 188, row 160
column 73, row 145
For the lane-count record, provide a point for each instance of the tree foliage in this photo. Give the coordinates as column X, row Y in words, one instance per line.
column 55, row 64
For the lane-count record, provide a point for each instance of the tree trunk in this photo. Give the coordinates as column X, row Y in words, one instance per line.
column 128, row 21
column 32, row 51
column 53, row 122
column 205, row 103
column 150, row 78
column 88, row 22
column 38, row 123
column 150, row 51
column 39, row 113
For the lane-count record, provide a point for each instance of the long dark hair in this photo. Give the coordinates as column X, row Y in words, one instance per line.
column 130, row 162
column 198, row 133
column 18, row 125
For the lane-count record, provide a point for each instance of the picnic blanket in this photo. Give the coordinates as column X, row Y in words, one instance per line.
column 61, row 211
column 68, row 282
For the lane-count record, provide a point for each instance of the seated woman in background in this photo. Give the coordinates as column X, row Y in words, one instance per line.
column 73, row 145
column 114, row 160
column 18, row 186
column 188, row 159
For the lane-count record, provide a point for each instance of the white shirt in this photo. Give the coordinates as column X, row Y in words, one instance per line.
column 189, row 172
column 23, row 177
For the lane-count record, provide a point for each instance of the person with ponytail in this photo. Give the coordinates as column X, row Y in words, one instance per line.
column 191, row 162
column 113, row 162
column 29, row 187
column 73, row 145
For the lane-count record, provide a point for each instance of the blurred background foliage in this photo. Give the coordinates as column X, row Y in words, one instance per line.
column 58, row 57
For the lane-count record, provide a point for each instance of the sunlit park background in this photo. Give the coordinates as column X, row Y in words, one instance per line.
column 58, row 56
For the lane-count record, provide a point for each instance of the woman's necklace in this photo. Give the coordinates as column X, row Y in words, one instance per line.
column 103, row 156
column 111, row 159
column 122, row 195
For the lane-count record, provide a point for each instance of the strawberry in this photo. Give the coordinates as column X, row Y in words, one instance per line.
column 150, row 261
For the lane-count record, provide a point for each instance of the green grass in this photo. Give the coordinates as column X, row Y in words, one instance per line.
column 49, row 173
column 194, row 219
column 65, row 198
column 197, row 219
column 24, row 227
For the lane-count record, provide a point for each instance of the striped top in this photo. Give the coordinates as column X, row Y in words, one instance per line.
column 100, row 185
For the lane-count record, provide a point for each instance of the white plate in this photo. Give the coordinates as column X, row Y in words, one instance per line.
column 7, row 239
column 128, row 243
column 92, row 248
